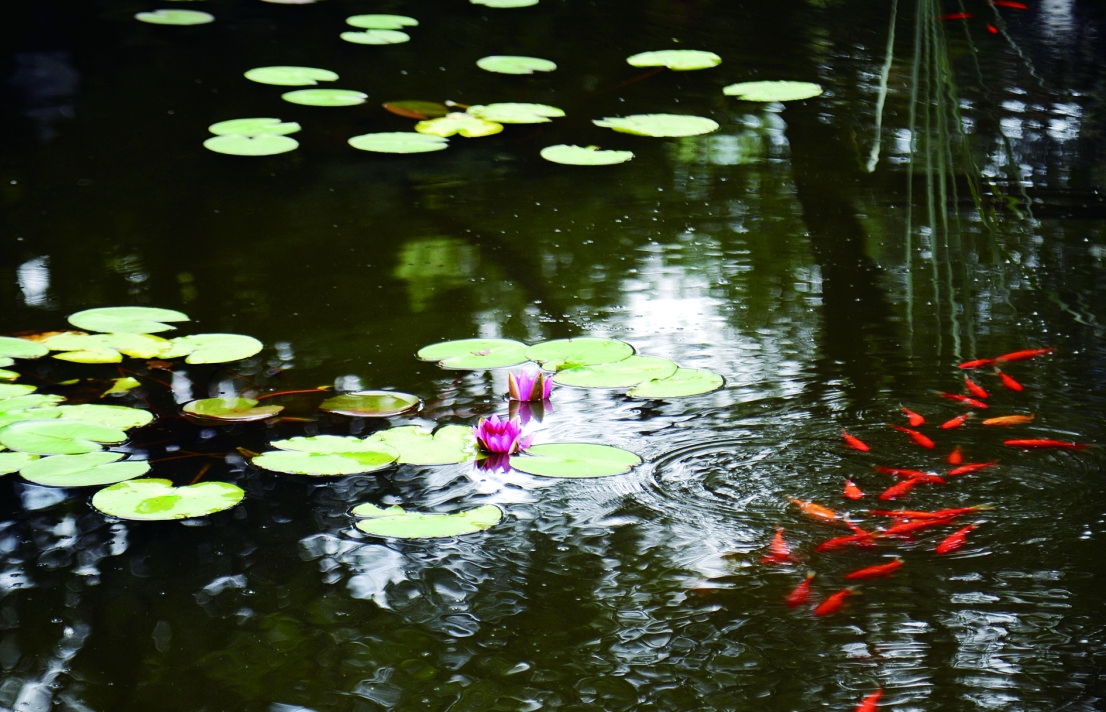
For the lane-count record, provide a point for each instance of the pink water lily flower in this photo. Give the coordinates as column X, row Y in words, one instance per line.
column 527, row 386
column 495, row 435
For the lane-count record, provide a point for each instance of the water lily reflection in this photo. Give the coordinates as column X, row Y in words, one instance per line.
column 495, row 435
column 526, row 411
column 494, row 462
column 528, row 386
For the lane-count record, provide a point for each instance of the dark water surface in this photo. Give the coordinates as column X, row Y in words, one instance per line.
column 830, row 283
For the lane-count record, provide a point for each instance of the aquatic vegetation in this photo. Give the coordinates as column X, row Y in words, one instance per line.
column 370, row 404
column 458, row 123
column 529, row 386
column 507, row 64
column 251, row 137
column 679, row 60
column 381, row 22
column 158, row 499
column 584, row 155
column 325, row 97
column 659, row 125
column 175, row 17
column 230, row 408
column 399, row 142
column 773, row 91
column 475, row 353
column 376, row 37
column 289, row 76
column 401, row 524
column 505, row 3
column 515, row 113
column 500, row 436
column 575, row 460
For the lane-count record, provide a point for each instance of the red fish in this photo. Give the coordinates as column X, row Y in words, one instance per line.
column 955, row 540
column 854, row 443
column 778, row 551
column 1011, row 4
column 992, row 29
column 955, row 422
column 956, row 16
column 917, row 437
column 1022, row 355
column 921, row 514
column 965, row 400
column 875, row 571
column 864, row 539
column 971, row 467
column 1031, row 444
column 801, row 593
column 816, row 511
column 908, row 528
column 900, row 490
column 969, row 365
column 852, row 491
column 910, row 474
column 955, row 457
column 974, row 388
column 871, row 702
column 1009, row 382
column 914, row 418
column 1009, row 420
column 833, row 604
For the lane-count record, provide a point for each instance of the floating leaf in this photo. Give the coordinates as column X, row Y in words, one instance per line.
column 628, row 372
column 6, row 375
column 15, row 461
column 773, row 91
column 417, row 446
column 515, row 113
column 381, row 22
column 231, row 408
column 417, row 109
column 684, row 382
column 325, row 97
column 263, row 145
column 370, row 404
column 121, row 385
column 104, row 348
column 505, row 3
column 659, row 125
column 94, row 468
column 502, row 64
column 254, row 127
column 120, row 417
column 395, row 522
column 376, row 37
column 332, row 445
column 290, row 76
column 582, row 351
column 11, row 347
column 399, row 142
column 13, row 390
column 575, row 460
column 217, row 348
column 327, row 464
column 584, row 155
column 156, row 499
column 58, row 437
column 45, row 412
column 458, row 123
column 27, row 402
column 128, row 320
column 175, row 17
column 475, row 353
column 679, row 60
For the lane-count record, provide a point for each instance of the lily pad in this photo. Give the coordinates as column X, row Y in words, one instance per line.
column 325, row 97
column 505, row 3
column 217, row 348
column 399, row 142
column 396, row 522
column 584, row 155
column 684, row 382
column 15, row 461
column 121, row 385
column 254, row 127
column 15, row 416
column 659, row 125
column 285, row 76
column 582, row 351
column 156, row 499
column 628, row 372
column 679, row 60
column 175, row 17
column 263, row 145
column 332, row 445
column 773, row 91
column 128, row 320
column 6, row 375
column 322, row 463
column 13, row 390
column 417, row 446
column 381, row 22
column 12, row 347
column 120, row 417
column 105, row 348
column 575, row 460
column 515, row 113
column 94, row 468
column 370, row 404
column 458, row 123
column 376, row 37
column 506, row 64
column 58, row 437
column 415, row 109
column 235, row 409
column 475, row 353
column 29, row 402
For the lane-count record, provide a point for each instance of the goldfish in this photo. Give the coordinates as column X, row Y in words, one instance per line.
column 874, row 571
column 970, row 467
column 778, row 551
column 1009, row 420
column 1009, row 382
column 917, row 437
column 910, row 474
column 816, row 511
column 955, row 457
column 834, row 603
column 914, row 418
column 1041, row 443
column 801, row 593
column 966, row 400
column 908, row 528
column 974, row 388
column 864, row 539
column 955, row 422
column 920, row 514
column 871, row 702
column 979, row 362
column 1022, row 355
column 900, row 490
column 852, row 491
column 955, row 540
column 992, row 29
column 956, row 16
column 1011, row 4
column 854, row 443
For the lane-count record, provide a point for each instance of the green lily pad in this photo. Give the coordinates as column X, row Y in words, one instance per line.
column 679, row 60
column 263, row 145
column 659, row 125
column 121, row 385
column 15, row 416
column 175, row 17
column 29, row 402
column 399, row 142
column 628, row 372
column 290, row 76
column 505, row 3
column 217, row 348
column 684, row 382
column 231, row 409
column 94, row 468
column 127, row 320
column 58, row 437
column 376, row 37
column 773, row 91
column 325, row 97
column 458, row 123
column 395, row 522
column 105, row 348
column 12, row 347
column 157, row 499
column 582, row 351
column 417, row 446
column 370, row 404
column 506, row 64
column 515, row 113
column 120, row 417
column 13, row 390
column 254, row 127
column 332, row 445
column 415, row 109
column 15, row 461
column 475, row 353
column 575, row 460
column 584, row 155
column 381, row 22
column 6, row 375
column 322, row 464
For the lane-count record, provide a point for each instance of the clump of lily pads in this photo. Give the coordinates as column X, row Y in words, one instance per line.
column 252, row 137
column 379, row 29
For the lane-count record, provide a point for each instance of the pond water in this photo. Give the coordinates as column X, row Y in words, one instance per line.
column 834, row 259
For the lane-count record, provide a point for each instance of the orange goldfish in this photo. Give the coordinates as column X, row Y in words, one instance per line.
column 1040, row 443
column 1022, row 355
column 1009, row 382
column 1009, row 420
column 800, row 594
column 816, row 511
column 778, row 551
column 852, row 491
column 971, row 467
column 834, row 603
column 974, row 388
column 914, row 418
column 955, row 457
column 955, row 422
column 968, row 365
column 917, row 437
column 874, row 571
column 966, row 400
column 871, row 702
column 955, row 540
column 854, row 443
